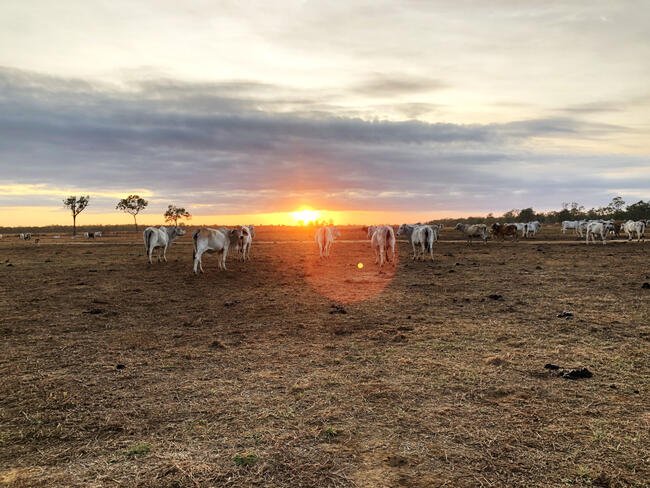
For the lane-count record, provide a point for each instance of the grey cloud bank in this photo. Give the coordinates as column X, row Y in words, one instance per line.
column 228, row 147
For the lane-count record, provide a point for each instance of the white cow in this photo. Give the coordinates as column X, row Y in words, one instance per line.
column 98, row 233
column 569, row 224
column 324, row 238
column 598, row 228
column 25, row 237
column 532, row 228
column 476, row 230
column 217, row 241
column 419, row 236
column 162, row 237
column 382, row 238
column 630, row 227
column 248, row 232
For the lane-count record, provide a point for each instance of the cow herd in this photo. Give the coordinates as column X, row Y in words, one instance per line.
column 601, row 228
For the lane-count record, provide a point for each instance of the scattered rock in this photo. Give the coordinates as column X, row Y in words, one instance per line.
column 10, row 265
column 645, row 286
column 94, row 311
column 92, row 271
column 338, row 309
column 452, row 271
column 613, row 387
column 408, row 316
column 217, row 344
column 120, row 366
column 48, row 260
column 399, row 338
column 575, row 374
column 565, row 314
column 231, row 303
column 538, row 267
column 405, row 327
column 496, row 297
column 551, row 366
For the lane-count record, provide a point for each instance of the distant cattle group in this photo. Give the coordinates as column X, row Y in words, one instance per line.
column 383, row 238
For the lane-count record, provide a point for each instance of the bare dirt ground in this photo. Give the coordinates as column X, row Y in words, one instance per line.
column 290, row 372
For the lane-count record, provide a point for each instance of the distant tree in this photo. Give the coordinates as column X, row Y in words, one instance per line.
column 76, row 206
column 638, row 210
column 174, row 214
column 132, row 204
column 526, row 215
column 510, row 214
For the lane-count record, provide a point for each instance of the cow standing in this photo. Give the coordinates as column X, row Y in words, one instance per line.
column 161, row 238
column 324, row 238
column 214, row 241
column 419, row 237
column 474, row 231
column 382, row 238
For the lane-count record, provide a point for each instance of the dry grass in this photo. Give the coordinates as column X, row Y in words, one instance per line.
column 252, row 378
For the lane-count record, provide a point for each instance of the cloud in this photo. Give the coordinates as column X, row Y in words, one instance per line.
column 227, row 148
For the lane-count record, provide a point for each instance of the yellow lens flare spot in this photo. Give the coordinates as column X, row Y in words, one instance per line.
column 360, row 265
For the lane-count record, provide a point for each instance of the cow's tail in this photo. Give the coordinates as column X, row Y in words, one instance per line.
column 195, row 236
column 429, row 238
column 147, row 239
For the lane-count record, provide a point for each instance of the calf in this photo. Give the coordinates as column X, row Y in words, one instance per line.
column 474, row 231
column 214, row 241
column 161, row 238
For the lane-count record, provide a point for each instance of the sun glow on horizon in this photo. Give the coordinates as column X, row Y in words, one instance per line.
column 305, row 215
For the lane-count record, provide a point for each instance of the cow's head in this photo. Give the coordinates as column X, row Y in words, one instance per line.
column 178, row 231
column 402, row 229
column 336, row 233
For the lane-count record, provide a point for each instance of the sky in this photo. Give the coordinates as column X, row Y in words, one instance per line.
column 371, row 112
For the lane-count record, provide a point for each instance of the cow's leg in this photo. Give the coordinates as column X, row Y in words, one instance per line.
column 223, row 259
column 165, row 253
column 149, row 253
column 197, row 260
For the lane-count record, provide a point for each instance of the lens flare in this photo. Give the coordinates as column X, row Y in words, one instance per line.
column 360, row 265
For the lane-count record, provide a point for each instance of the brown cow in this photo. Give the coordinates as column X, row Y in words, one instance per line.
column 503, row 230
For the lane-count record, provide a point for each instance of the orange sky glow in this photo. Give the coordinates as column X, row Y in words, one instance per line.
column 43, row 216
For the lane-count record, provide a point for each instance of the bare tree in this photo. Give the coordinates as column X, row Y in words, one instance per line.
column 132, row 204
column 174, row 214
column 76, row 206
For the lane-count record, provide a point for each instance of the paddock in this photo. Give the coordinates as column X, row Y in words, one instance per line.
column 288, row 370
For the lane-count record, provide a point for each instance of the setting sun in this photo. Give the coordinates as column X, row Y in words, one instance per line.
column 305, row 215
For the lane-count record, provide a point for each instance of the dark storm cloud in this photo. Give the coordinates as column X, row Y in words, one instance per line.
column 221, row 145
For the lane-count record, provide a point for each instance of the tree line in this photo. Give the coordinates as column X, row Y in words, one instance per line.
column 617, row 209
